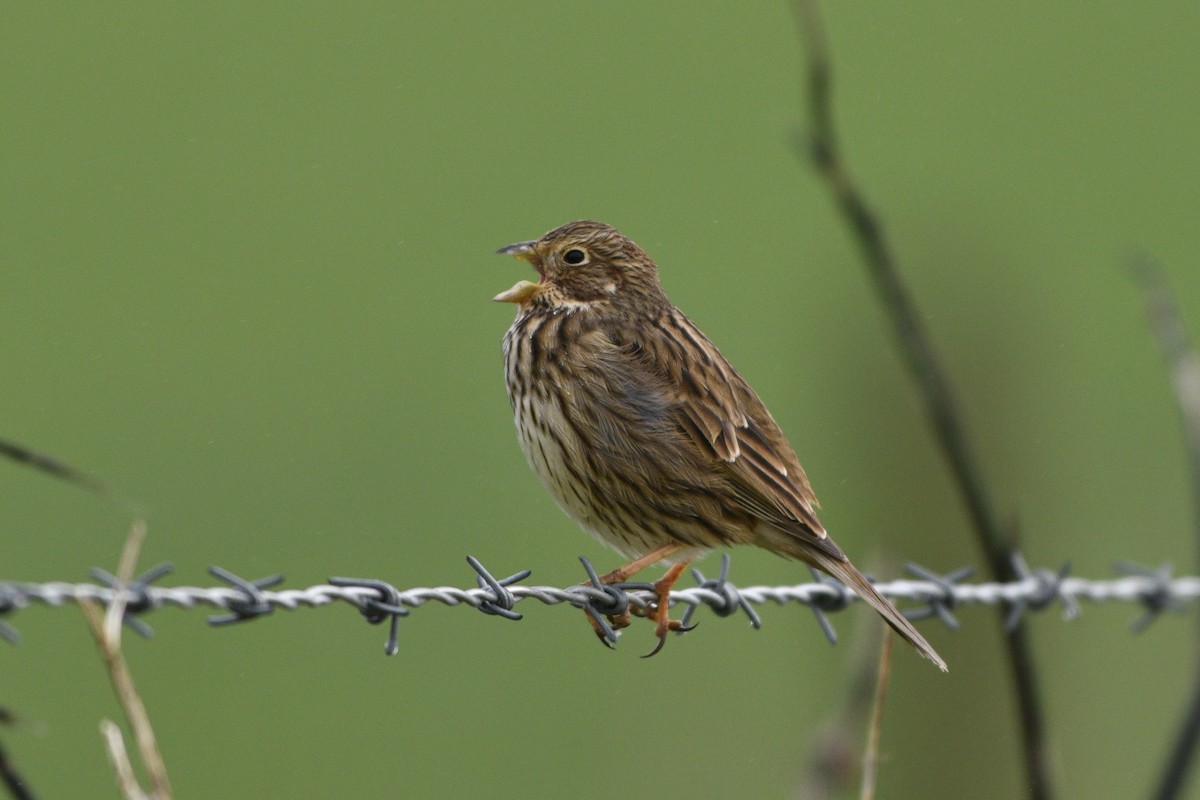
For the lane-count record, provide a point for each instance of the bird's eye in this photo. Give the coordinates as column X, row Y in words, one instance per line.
column 574, row 256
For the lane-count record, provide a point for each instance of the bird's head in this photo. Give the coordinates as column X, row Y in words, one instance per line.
column 584, row 264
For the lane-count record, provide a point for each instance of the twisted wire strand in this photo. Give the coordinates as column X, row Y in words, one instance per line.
column 929, row 594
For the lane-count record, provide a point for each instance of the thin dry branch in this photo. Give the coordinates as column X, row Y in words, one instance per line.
column 107, row 630
column 11, row 778
column 834, row 762
column 871, row 754
column 127, row 782
column 51, row 466
column 1183, row 366
column 917, row 350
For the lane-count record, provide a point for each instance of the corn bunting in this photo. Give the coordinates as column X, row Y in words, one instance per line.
column 643, row 432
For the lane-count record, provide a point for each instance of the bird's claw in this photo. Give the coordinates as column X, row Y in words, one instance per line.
column 607, row 633
column 662, row 640
column 664, row 627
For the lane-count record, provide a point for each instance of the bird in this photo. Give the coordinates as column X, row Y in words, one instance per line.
column 643, row 432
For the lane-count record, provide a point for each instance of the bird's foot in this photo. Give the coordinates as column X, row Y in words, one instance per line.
column 661, row 611
column 658, row 611
column 616, row 622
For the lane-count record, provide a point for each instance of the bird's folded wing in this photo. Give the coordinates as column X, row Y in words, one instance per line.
column 719, row 411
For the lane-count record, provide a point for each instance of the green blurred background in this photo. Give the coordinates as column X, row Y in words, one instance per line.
column 247, row 260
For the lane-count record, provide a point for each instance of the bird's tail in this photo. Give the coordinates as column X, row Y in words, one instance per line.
column 845, row 572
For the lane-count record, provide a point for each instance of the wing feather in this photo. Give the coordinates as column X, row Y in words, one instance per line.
column 719, row 412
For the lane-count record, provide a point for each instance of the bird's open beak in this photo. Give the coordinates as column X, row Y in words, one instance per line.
column 523, row 290
column 521, row 250
column 519, row 293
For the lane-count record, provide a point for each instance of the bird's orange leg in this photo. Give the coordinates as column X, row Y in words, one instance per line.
column 662, row 610
column 624, row 573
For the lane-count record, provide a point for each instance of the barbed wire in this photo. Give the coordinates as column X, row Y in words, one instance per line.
column 929, row 594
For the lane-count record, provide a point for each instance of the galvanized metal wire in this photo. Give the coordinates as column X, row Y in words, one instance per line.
column 926, row 594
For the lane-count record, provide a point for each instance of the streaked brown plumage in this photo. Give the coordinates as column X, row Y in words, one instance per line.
column 642, row 431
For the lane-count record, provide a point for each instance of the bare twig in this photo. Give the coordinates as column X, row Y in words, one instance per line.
column 1184, row 368
column 50, row 465
column 834, row 761
column 125, row 569
column 107, row 630
column 119, row 758
column 871, row 754
column 1183, row 364
column 11, row 778
column 922, row 362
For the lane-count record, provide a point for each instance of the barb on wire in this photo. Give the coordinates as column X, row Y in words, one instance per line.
column 839, row 598
column 1047, row 585
column 137, row 598
column 610, row 600
column 727, row 599
column 384, row 606
column 942, row 605
column 1157, row 599
column 250, row 603
column 503, row 600
column 931, row 595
